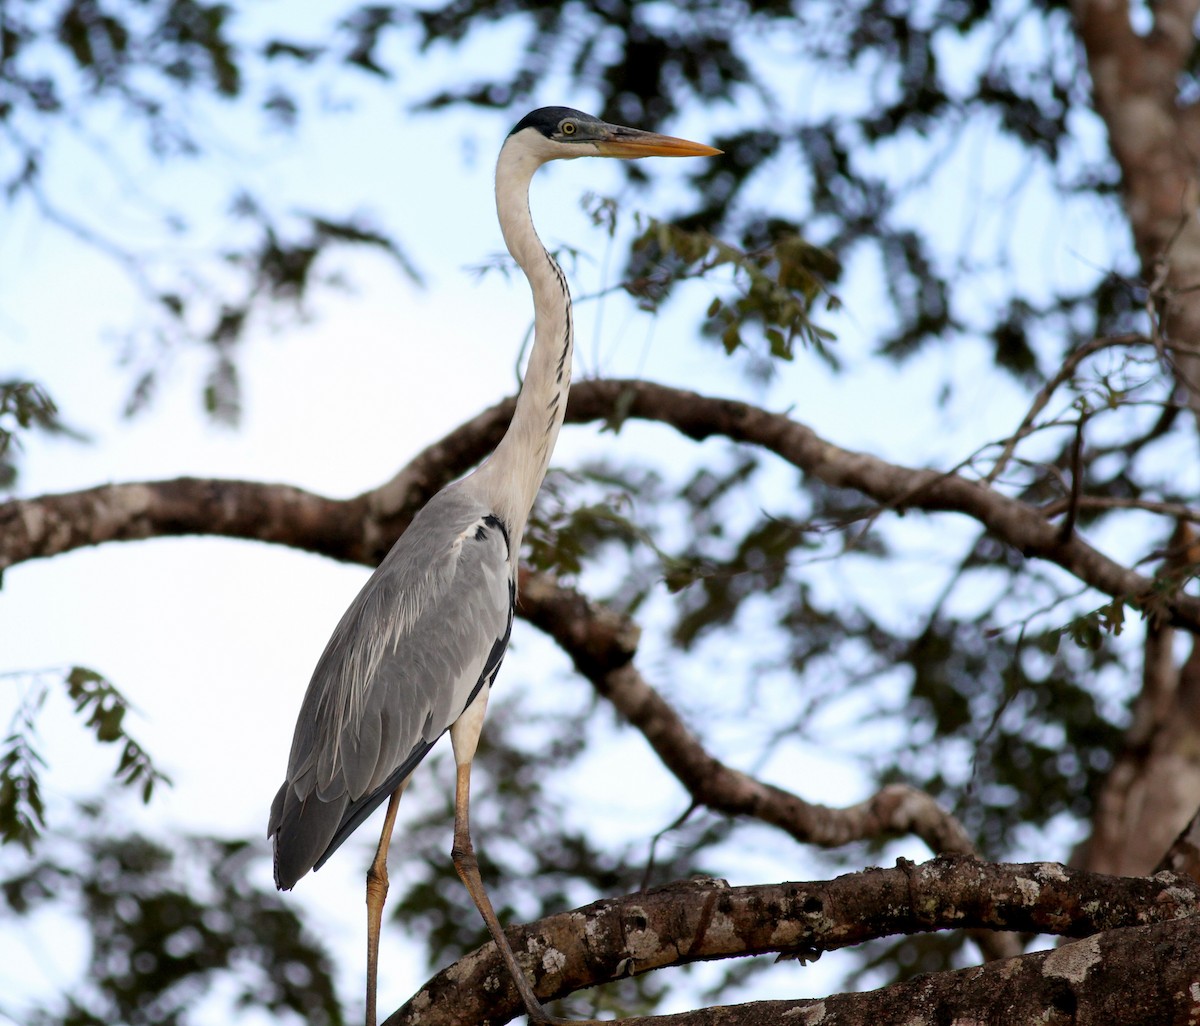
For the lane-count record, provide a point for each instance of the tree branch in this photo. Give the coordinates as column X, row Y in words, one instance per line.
column 54, row 524
column 1018, row 525
column 361, row 529
column 706, row 919
column 1140, row 976
column 1064, row 373
column 602, row 644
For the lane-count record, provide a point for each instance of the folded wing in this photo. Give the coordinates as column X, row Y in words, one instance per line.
column 427, row 631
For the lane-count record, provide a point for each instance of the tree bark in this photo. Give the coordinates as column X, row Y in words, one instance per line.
column 1154, row 138
column 363, row 528
column 1140, row 976
column 706, row 919
column 1154, row 786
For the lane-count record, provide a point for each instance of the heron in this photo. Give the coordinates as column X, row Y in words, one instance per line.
column 416, row 653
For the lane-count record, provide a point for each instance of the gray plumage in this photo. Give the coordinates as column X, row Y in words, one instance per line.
column 426, row 631
column 418, row 649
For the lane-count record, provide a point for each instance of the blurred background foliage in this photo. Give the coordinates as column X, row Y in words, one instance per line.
column 1005, row 696
column 170, row 922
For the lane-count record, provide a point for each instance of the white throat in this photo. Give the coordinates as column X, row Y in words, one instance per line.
column 509, row 480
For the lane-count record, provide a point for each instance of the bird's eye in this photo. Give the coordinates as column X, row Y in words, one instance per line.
column 567, row 128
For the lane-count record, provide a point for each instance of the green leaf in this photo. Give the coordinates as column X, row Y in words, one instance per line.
column 22, row 813
column 88, row 690
column 775, row 287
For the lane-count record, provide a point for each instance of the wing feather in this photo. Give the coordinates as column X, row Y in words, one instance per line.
column 428, row 629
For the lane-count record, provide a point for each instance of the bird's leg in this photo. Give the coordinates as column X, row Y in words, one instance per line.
column 377, row 888
column 463, row 855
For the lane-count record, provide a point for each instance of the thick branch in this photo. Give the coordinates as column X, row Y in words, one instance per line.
column 55, row 524
column 362, row 528
column 1141, row 976
column 707, row 919
column 602, row 644
column 1020, row 526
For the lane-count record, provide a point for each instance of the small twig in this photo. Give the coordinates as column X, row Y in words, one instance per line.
column 1176, row 510
column 674, row 825
column 1042, row 399
column 1068, row 525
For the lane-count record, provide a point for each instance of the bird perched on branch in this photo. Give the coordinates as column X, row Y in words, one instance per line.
column 417, row 651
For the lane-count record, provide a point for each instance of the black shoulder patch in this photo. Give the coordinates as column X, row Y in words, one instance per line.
column 491, row 520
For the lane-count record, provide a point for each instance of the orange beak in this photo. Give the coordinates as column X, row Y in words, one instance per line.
column 630, row 143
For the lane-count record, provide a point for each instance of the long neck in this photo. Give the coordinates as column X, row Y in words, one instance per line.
column 511, row 477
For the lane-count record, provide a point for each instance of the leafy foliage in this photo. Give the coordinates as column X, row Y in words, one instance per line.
column 646, row 68
column 776, row 285
column 22, row 814
column 1040, row 742
column 170, row 923
column 25, row 406
column 88, row 690
column 563, row 530
column 149, row 63
column 929, row 84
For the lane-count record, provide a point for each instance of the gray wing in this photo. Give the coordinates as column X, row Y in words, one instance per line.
column 427, row 631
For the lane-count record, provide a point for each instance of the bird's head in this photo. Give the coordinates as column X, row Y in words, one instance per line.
column 560, row 133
